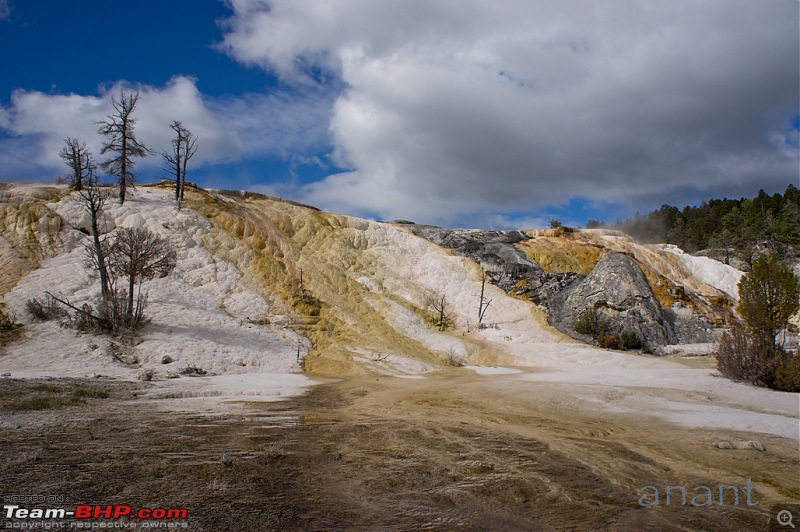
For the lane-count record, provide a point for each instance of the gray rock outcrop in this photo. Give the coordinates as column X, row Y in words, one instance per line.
column 494, row 251
column 618, row 289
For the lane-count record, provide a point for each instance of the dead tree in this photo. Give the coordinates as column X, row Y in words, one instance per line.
column 184, row 146
column 121, row 142
column 441, row 308
column 78, row 158
column 302, row 288
column 139, row 255
column 94, row 199
column 483, row 303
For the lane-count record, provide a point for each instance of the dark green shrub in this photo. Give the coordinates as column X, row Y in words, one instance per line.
column 592, row 323
column 768, row 296
column 631, row 340
column 787, row 372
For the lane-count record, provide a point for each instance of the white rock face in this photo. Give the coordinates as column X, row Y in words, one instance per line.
column 201, row 313
column 709, row 271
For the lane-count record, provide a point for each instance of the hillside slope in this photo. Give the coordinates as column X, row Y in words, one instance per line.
column 267, row 293
column 235, row 302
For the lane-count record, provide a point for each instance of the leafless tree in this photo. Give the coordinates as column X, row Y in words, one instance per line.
column 184, row 146
column 122, row 142
column 123, row 261
column 94, row 199
column 441, row 308
column 77, row 156
column 483, row 302
column 139, row 255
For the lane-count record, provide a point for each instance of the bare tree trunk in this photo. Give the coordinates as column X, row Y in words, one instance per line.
column 122, row 142
column 94, row 199
column 78, row 158
column 440, row 306
column 131, row 290
column 483, row 304
column 139, row 255
column 183, row 148
column 82, row 312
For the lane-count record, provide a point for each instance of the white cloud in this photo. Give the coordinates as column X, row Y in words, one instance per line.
column 227, row 128
column 460, row 107
column 5, row 10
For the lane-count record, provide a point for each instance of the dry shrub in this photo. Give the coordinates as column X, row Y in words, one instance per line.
column 452, row 358
column 610, row 341
column 745, row 356
column 10, row 330
column 738, row 357
column 45, row 309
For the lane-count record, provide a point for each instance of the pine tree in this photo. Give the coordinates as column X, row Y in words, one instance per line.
column 768, row 296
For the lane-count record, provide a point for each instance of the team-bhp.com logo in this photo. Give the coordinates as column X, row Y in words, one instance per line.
column 91, row 511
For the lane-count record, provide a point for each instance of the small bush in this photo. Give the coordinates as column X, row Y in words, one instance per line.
column 49, row 388
column 592, row 323
column 83, row 321
column 7, row 321
column 631, row 340
column 740, row 357
column 90, row 392
column 10, row 330
column 787, row 372
column 610, row 341
column 454, row 359
column 44, row 309
column 745, row 356
column 48, row 402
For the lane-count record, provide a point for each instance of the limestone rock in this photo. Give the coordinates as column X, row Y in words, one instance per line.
column 619, row 290
column 494, row 251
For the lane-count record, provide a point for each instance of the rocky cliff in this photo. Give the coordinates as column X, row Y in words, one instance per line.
column 494, row 251
column 618, row 290
column 644, row 289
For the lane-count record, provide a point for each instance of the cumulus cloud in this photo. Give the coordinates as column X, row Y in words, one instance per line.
column 227, row 128
column 453, row 108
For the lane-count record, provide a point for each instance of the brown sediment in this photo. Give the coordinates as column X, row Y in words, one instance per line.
column 450, row 451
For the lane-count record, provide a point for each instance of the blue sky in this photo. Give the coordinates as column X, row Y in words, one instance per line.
column 489, row 114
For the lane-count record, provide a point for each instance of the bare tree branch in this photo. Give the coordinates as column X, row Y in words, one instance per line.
column 77, row 156
column 140, row 255
column 184, row 146
column 121, row 141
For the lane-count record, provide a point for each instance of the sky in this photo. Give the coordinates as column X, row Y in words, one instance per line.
column 467, row 113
